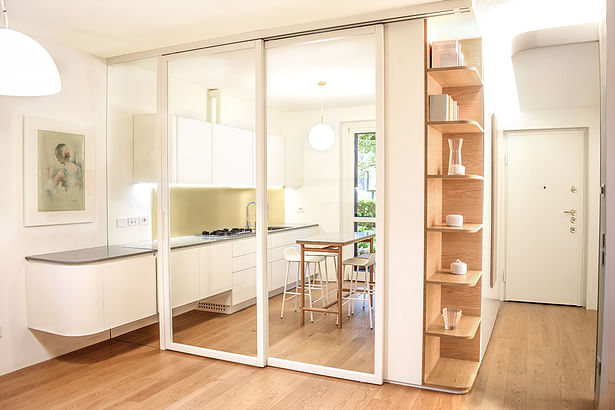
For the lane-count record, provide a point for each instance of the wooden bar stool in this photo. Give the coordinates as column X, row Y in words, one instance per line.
column 367, row 291
column 292, row 255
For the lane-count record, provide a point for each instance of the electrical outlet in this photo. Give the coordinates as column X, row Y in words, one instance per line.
column 300, row 210
column 143, row 220
column 121, row 222
column 133, row 220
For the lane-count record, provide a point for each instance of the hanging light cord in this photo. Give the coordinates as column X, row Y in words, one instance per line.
column 5, row 16
column 322, row 97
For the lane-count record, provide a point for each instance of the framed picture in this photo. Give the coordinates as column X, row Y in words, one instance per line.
column 59, row 172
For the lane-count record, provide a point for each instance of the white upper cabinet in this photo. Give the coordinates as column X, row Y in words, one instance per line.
column 194, row 149
column 276, row 154
column 232, row 156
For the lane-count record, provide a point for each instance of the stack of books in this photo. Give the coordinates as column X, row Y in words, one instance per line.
column 446, row 54
column 443, row 108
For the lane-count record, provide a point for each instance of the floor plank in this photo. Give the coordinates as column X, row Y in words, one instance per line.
column 540, row 357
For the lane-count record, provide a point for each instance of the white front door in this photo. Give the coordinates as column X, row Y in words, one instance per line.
column 545, row 216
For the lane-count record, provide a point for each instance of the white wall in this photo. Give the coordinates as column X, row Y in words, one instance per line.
column 131, row 90
column 82, row 99
column 319, row 196
column 570, row 118
column 404, row 198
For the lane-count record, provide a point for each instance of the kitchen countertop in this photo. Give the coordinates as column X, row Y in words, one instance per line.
column 106, row 253
column 89, row 255
column 195, row 240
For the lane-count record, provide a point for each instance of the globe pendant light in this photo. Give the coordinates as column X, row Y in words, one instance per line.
column 321, row 136
column 26, row 68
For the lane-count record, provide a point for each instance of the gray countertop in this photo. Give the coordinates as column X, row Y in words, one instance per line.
column 195, row 240
column 89, row 255
column 105, row 253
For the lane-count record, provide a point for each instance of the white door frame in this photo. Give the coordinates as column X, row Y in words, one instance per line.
column 164, row 270
column 163, row 204
column 503, row 194
column 378, row 376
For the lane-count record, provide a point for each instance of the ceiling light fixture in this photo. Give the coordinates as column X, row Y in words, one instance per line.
column 26, row 68
column 321, row 135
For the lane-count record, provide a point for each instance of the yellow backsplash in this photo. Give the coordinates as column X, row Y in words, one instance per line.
column 194, row 209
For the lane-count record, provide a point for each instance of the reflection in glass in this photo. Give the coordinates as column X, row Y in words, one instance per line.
column 211, row 116
column 325, row 191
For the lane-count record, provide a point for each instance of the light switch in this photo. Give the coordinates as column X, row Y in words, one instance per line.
column 121, row 222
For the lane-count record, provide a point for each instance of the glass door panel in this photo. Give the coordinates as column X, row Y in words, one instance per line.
column 211, row 172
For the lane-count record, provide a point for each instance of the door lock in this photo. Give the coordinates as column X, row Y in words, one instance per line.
column 573, row 219
column 573, row 189
column 571, row 211
column 573, row 229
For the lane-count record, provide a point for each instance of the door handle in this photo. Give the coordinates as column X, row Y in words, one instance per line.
column 571, row 211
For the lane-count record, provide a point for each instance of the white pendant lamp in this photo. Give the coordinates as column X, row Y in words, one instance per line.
column 26, row 68
column 321, row 136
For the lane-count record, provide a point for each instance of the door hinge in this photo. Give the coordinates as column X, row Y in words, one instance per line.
column 504, row 275
column 603, row 257
column 599, row 367
column 603, row 189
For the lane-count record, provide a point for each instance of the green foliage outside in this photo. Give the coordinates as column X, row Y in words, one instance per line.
column 366, row 208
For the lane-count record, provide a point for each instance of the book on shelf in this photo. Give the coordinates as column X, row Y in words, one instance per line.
column 442, row 108
column 446, row 54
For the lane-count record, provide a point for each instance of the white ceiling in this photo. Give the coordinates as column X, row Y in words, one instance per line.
column 347, row 64
column 115, row 27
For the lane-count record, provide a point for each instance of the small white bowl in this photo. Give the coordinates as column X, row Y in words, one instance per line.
column 454, row 220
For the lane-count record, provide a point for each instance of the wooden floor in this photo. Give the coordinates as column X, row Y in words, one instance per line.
column 320, row 342
column 540, row 357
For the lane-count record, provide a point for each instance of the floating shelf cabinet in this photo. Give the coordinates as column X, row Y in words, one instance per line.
column 451, row 358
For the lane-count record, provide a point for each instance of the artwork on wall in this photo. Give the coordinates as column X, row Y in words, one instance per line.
column 58, row 173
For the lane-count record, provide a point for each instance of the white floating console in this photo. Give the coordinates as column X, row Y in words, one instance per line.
column 81, row 297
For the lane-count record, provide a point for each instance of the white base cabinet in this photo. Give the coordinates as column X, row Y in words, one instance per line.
column 200, row 272
column 79, row 300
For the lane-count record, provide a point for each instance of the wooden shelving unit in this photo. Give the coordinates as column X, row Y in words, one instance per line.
column 471, row 228
column 456, row 177
column 456, row 127
column 445, row 277
column 451, row 358
column 468, row 325
column 456, row 76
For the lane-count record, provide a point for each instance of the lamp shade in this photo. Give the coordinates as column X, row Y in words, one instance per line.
column 321, row 137
column 26, row 68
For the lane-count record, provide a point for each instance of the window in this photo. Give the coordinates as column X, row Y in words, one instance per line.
column 364, row 186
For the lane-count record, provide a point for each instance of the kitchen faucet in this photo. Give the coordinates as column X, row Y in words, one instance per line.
column 248, row 215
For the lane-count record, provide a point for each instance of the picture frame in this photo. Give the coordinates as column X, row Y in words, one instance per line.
column 59, row 172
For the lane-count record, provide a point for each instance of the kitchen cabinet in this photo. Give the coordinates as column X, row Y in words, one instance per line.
column 276, row 160
column 194, row 151
column 232, row 156
column 184, row 276
column 84, row 299
column 244, row 285
column 215, row 269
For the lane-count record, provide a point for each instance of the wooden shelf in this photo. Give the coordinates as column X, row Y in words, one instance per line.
column 470, row 228
column 457, row 177
column 456, row 127
column 444, row 277
column 468, row 325
column 463, row 76
column 453, row 374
